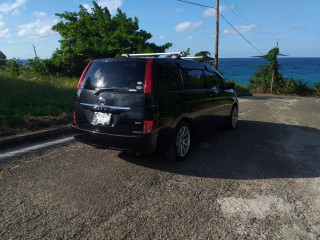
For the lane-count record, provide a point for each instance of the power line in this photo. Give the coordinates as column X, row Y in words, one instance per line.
column 209, row 7
column 246, row 21
column 242, row 35
column 197, row 4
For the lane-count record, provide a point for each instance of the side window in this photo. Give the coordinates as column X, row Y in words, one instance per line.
column 213, row 80
column 193, row 78
column 171, row 78
column 167, row 76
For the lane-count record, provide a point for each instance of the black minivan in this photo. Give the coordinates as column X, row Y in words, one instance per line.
column 143, row 103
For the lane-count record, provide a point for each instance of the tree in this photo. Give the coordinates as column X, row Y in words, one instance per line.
column 205, row 54
column 185, row 53
column 267, row 77
column 14, row 66
column 95, row 34
column 3, row 60
column 206, row 57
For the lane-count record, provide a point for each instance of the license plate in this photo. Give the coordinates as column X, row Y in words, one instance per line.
column 101, row 118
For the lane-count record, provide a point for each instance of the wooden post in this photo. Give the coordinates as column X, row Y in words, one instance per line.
column 272, row 81
column 216, row 55
column 35, row 52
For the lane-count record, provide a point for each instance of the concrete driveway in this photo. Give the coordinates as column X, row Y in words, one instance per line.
column 261, row 181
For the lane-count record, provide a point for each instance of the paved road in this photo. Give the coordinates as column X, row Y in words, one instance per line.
column 261, row 181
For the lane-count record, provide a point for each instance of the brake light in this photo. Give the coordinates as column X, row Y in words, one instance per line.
column 74, row 115
column 84, row 74
column 147, row 126
column 147, row 88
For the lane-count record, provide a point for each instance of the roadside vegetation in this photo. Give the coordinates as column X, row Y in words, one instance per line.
column 31, row 103
column 268, row 79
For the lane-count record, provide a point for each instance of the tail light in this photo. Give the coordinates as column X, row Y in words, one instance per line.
column 84, row 74
column 147, row 126
column 147, row 88
column 74, row 115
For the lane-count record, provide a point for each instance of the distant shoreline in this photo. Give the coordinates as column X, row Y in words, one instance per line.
column 242, row 69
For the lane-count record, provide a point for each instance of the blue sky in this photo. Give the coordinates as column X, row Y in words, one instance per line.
column 296, row 24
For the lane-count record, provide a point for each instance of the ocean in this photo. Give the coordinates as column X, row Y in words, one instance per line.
column 242, row 69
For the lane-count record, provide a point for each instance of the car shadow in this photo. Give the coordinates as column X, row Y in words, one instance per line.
column 255, row 150
column 265, row 97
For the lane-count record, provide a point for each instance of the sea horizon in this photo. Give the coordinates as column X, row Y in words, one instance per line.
column 305, row 69
column 240, row 70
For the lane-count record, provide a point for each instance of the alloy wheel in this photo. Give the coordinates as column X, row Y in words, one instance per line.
column 183, row 141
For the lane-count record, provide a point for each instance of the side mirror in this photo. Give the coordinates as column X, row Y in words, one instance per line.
column 230, row 86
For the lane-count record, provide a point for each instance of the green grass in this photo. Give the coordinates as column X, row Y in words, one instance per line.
column 241, row 89
column 22, row 99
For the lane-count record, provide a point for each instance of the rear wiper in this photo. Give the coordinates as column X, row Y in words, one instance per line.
column 111, row 89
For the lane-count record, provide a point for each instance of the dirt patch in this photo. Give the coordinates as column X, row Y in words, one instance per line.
column 36, row 123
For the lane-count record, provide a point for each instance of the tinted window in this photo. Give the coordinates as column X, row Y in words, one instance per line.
column 117, row 74
column 167, row 76
column 193, row 78
column 213, row 80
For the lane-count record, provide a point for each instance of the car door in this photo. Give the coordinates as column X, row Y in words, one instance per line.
column 222, row 102
column 198, row 99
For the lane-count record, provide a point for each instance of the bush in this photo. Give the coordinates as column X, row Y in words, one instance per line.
column 317, row 88
column 304, row 89
column 13, row 67
column 36, row 66
column 287, row 86
column 291, row 86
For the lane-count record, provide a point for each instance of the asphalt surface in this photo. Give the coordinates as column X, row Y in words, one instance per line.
column 260, row 181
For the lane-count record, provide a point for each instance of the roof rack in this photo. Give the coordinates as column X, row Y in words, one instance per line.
column 195, row 57
column 177, row 54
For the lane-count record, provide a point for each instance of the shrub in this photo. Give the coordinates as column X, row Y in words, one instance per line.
column 304, row 89
column 292, row 86
column 317, row 88
column 13, row 67
column 287, row 86
column 36, row 66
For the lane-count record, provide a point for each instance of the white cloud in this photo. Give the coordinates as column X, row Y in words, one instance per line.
column 4, row 31
column 210, row 12
column 187, row 26
column 112, row 5
column 39, row 29
column 12, row 7
column 189, row 38
column 2, row 23
column 179, row 10
column 88, row 7
column 162, row 37
column 39, row 14
column 240, row 29
column 16, row 12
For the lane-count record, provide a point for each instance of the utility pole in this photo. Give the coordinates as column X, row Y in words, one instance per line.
column 216, row 54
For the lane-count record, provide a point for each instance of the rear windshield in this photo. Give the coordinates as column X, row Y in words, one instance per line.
column 128, row 75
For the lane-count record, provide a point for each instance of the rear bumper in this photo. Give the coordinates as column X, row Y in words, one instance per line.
column 137, row 143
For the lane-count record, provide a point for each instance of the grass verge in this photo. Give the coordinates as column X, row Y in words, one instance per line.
column 32, row 103
column 241, row 89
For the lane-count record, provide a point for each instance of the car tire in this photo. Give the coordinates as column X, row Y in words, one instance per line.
column 180, row 143
column 233, row 118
